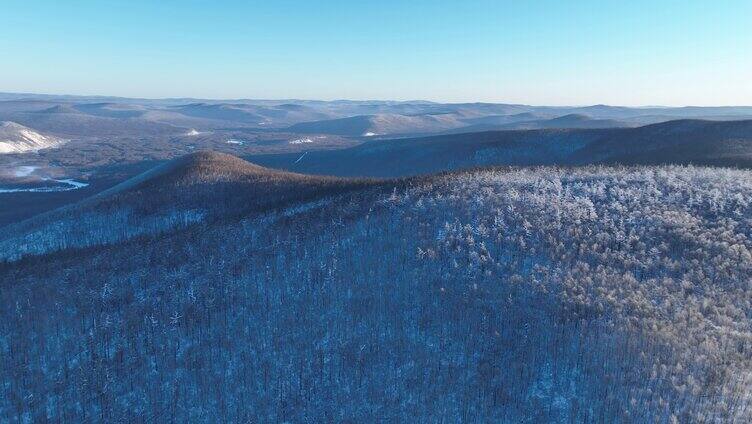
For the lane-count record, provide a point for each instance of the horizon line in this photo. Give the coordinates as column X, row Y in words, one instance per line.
column 333, row 100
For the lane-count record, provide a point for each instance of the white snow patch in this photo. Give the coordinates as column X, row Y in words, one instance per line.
column 369, row 134
column 301, row 140
column 192, row 132
column 67, row 185
column 15, row 138
column 24, row 171
column 305, row 207
column 236, row 142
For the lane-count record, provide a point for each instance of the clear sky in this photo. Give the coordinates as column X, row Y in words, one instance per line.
column 630, row 52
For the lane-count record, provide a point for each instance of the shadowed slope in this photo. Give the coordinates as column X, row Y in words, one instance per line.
column 684, row 141
column 566, row 121
column 727, row 143
column 218, row 182
column 195, row 168
column 202, row 187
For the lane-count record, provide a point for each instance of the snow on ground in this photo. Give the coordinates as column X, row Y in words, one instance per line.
column 236, row 142
column 306, row 140
column 192, row 132
column 24, row 171
column 65, row 185
column 369, row 134
column 27, row 174
column 15, row 138
column 301, row 140
column 291, row 211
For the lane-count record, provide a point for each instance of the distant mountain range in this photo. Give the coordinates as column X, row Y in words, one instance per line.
column 110, row 139
column 112, row 116
column 572, row 120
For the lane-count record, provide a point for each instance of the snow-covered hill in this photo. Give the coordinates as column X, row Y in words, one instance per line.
column 234, row 293
column 16, row 138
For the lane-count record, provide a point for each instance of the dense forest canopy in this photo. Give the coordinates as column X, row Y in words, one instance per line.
column 599, row 294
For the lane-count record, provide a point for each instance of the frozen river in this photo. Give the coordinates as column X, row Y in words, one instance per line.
column 54, row 185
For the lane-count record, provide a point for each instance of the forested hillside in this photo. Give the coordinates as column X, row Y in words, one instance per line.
column 500, row 295
column 201, row 187
column 684, row 142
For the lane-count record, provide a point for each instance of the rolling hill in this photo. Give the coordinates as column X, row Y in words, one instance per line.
column 400, row 125
column 109, row 117
column 528, row 121
column 197, row 188
column 264, row 116
column 69, row 121
column 718, row 143
column 381, row 124
column 574, row 120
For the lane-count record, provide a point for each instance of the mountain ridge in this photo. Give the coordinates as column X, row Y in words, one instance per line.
column 717, row 143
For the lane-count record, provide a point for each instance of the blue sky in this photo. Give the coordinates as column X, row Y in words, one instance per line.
column 537, row 52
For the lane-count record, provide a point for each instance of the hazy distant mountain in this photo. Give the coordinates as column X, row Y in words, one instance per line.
column 573, row 120
column 112, row 110
column 381, row 124
column 261, row 116
column 15, row 138
column 528, row 121
column 222, row 112
column 120, row 117
column 69, row 120
column 59, row 109
column 699, row 142
column 495, row 120
column 696, row 112
column 395, row 124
